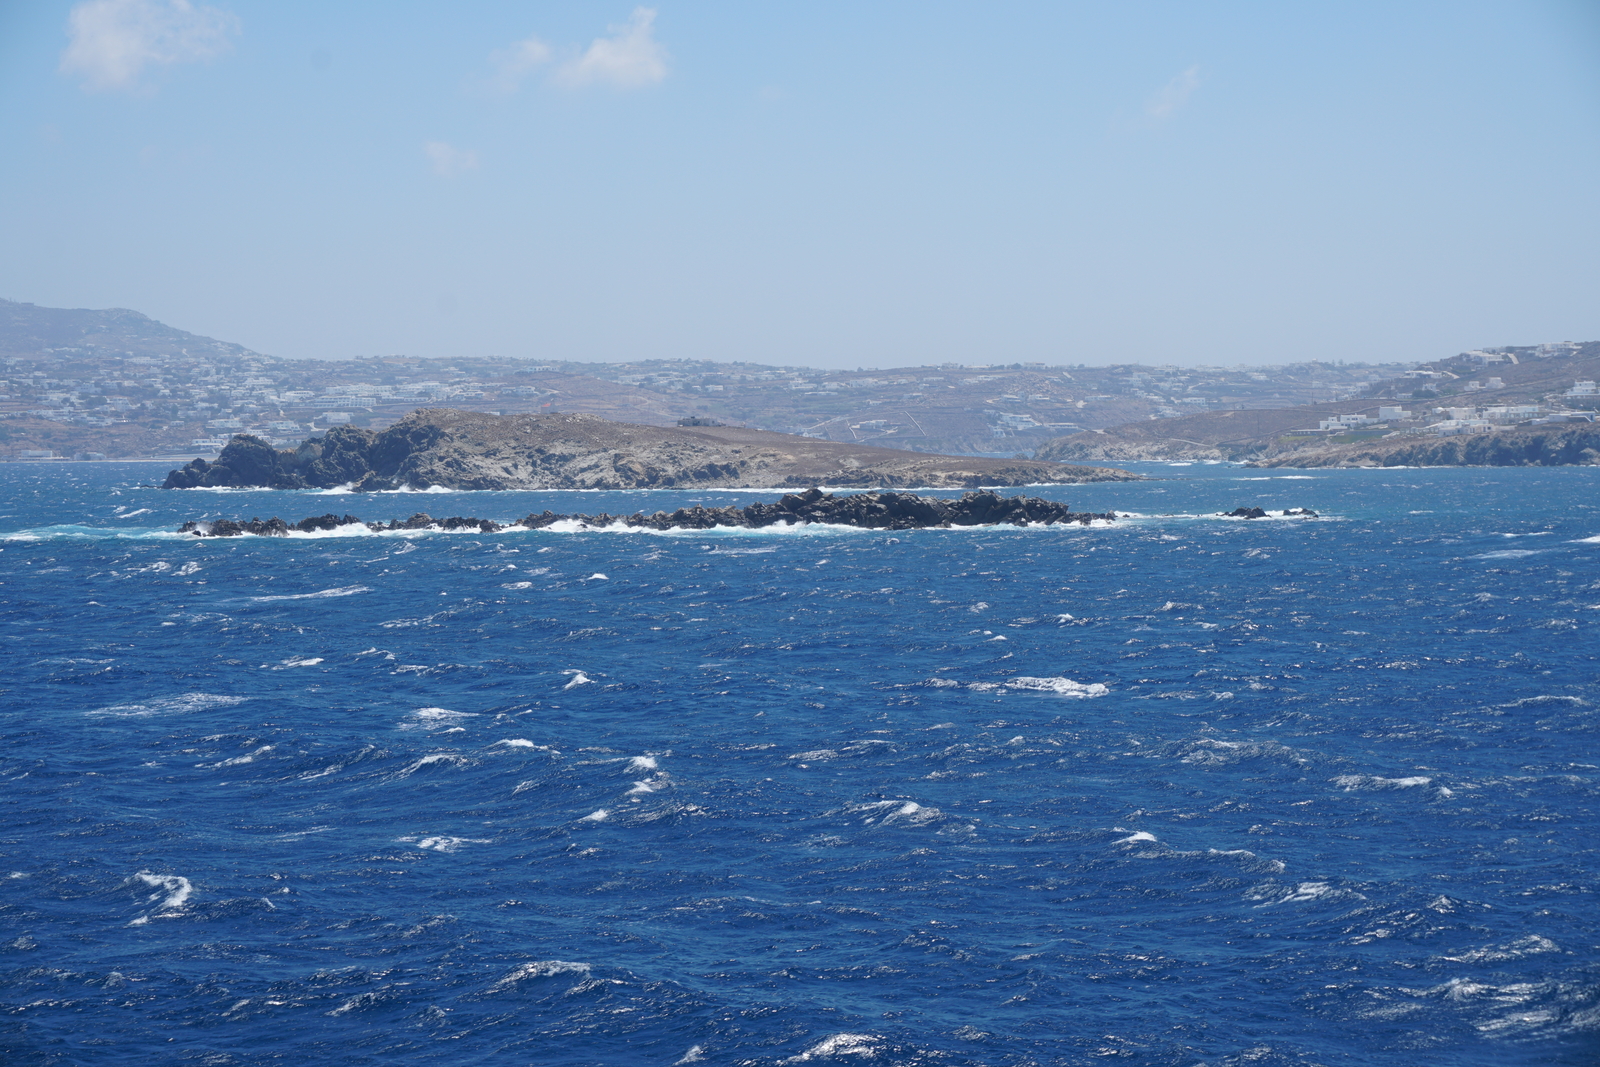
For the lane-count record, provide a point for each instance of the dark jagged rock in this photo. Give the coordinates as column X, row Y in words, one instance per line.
column 329, row 521
column 423, row 521
column 1260, row 513
column 473, row 450
column 873, row 511
column 273, row 527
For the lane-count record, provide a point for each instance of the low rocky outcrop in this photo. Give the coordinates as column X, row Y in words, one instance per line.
column 1262, row 513
column 471, row 450
column 873, row 511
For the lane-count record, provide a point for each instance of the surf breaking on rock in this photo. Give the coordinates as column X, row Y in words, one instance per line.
column 874, row 511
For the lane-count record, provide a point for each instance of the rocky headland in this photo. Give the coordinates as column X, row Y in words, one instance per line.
column 455, row 449
column 1551, row 445
column 872, row 511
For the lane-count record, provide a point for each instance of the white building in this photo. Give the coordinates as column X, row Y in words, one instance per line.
column 1511, row 411
column 1452, row 427
column 1346, row 422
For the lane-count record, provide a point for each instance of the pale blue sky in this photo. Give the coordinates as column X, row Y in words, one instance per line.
column 838, row 184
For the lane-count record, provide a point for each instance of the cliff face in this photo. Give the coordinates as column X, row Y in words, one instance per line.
column 470, row 450
column 1546, row 446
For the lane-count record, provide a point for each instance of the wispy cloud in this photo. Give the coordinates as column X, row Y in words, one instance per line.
column 513, row 64
column 1173, row 95
column 629, row 58
column 448, row 160
column 111, row 42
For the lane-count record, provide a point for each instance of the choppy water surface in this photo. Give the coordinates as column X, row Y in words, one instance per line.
column 1182, row 790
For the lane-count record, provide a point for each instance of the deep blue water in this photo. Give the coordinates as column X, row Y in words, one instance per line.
column 1271, row 792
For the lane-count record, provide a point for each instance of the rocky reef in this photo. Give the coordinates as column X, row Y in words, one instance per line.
column 873, row 511
column 1262, row 513
column 442, row 447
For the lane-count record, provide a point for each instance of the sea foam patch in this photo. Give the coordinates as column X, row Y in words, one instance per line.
column 183, row 703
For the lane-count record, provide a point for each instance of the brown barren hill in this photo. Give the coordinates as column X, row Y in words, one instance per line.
column 471, row 450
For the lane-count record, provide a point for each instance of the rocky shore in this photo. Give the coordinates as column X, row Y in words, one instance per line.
column 1573, row 444
column 454, row 449
column 873, row 511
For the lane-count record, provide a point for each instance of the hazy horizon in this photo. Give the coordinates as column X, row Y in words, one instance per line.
column 827, row 186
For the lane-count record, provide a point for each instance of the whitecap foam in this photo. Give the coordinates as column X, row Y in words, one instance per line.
column 171, row 890
column 248, row 758
column 1352, row 782
column 176, row 887
column 542, row 969
column 1510, row 553
column 302, row 661
column 578, row 678
column 447, row 758
column 864, row 1046
column 442, row 843
column 1137, row 837
column 437, row 719
column 522, row 742
column 1061, row 686
column 1273, row 894
column 600, row 815
column 642, row 763
column 1531, row 945
column 321, row 594
column 884, row 812
column 187, row 702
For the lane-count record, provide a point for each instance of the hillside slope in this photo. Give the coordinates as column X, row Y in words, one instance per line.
column 470, row 450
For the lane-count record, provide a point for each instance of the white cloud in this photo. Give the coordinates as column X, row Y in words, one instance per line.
column 112, row 41
column 631, row 57
column 448, row 160
column 512, row 64
column 1173, row 95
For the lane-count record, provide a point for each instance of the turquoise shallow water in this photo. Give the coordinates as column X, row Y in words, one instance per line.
column 1180, row 790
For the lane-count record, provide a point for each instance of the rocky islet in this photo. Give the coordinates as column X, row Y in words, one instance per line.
column 873, row 511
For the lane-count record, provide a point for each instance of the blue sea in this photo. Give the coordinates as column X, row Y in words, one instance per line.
column 1176, row 790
